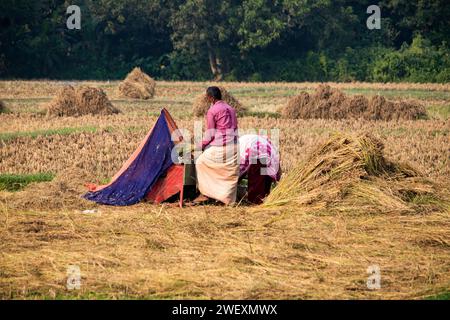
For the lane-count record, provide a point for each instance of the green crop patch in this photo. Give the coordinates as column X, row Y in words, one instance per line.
column 16, row 182
column 440, row 296
column 7, row 136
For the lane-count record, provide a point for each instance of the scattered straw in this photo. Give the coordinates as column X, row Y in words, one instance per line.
column 137, row 85
column 63, row 192
column 155, row 252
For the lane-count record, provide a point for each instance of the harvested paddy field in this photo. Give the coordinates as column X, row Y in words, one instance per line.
column 263, row 252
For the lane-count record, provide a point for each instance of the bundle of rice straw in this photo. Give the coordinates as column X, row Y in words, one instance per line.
column 201, row 105
column 2, row 107
column 350, row 174
column 329, row 103
column 80, row 101
column 137, row 85
column 381, row 109
column 295, row 106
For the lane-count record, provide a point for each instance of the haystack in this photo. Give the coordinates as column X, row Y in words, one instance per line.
column 137, row 85
column 2, row 107
column 63, row 192
column 356, row 106
column 350, row 174
column 295, row 106
column 381, row 109
column 201, row 105
column 80, row 101
column 329, row 103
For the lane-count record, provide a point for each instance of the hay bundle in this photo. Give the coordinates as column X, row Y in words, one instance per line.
column 201, row 105
column 64, row 191
column 329, row 103
column 409, row 110
column 137, row 85
column 379, row 108
column 351, row 174
column 325, row 103
column 356, row 105
column 295, row 106
column 80, row 101
column 2, row 107
column 335, row 103
column 64, row 102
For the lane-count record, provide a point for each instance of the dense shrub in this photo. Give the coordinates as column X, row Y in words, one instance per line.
column 418, row 62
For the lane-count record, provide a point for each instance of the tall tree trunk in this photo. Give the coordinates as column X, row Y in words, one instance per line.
column 215, row 64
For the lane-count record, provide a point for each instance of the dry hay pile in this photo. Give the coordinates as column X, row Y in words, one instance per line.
column 381, row 109
column 63, row 192
column 350, row 174
column 330, row 103
column 80, row 101
column 2, row 107
column 137, row 85
column 201, row 104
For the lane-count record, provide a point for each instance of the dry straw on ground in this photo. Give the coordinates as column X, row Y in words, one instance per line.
column 201, row 105
column 63, row 192
column 331, row 103
column 156, row 252
column 350, row 174
column 80, row 101
column 117, row 136
column 137, row 85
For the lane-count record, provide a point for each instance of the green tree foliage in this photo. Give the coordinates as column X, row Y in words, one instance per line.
column 418, row 62
column 256, row 40
column 206, row 29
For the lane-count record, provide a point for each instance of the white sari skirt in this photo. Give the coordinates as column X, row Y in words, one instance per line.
column 218, row 173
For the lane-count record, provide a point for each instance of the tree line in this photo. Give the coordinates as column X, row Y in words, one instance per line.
column 245, row 40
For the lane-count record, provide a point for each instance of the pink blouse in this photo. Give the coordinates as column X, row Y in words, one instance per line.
column 221, row 125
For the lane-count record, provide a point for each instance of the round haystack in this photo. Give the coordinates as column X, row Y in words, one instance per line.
column 350, row 173
column 137, row 85
column 329, row 103
column 80, row 101
column 200, row 106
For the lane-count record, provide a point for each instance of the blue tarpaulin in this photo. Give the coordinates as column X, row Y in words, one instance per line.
column 137, row 180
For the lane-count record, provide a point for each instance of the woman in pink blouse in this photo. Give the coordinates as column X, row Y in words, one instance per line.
column 217, row 167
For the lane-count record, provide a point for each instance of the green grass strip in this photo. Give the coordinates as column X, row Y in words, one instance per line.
column 7, row 136
column 440, row 296
column 441, row 112
column 16, row 182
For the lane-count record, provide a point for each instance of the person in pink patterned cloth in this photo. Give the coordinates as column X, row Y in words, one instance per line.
column 260, row 163
column 217, row 167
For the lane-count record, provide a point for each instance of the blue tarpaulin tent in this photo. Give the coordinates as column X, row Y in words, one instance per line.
column 142, row 170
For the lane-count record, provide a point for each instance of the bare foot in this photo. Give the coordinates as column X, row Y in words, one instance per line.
column 201, row 198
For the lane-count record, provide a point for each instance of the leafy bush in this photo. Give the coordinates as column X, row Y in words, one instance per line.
column 418, row 62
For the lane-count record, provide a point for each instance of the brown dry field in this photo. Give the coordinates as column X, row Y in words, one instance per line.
column 157, row 252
